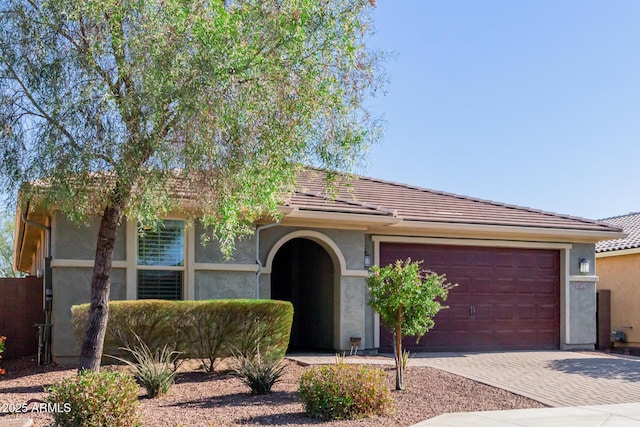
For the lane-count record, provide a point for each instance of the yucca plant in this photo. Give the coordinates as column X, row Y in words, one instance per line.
column 155, row 371
column 257, row 373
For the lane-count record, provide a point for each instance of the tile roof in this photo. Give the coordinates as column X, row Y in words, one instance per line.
column 630, row 223
column 410, row 203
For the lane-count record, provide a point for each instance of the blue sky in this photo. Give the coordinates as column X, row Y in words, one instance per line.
column 533, row 103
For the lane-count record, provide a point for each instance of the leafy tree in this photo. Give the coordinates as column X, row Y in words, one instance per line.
column 407, row 298
column 7, row 226
column 110, row 106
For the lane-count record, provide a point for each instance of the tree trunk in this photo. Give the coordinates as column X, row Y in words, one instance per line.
column 93, row 343
column 399, row 366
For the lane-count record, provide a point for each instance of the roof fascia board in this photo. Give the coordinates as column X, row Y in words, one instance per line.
column 589, row 235
column 471, row 242
column 18, row 240
column 620, row 252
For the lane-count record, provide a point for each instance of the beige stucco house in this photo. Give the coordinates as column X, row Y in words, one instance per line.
column 618, row 265
column 518, row 268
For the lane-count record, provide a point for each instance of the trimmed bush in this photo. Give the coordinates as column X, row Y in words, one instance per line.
column 207, row 330
column 344, row 391
column 96, row 399
column 151, row 320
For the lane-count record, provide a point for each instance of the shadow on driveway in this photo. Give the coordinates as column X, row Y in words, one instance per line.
column 600, row 367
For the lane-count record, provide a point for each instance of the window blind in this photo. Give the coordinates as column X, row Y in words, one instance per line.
column 164, row 248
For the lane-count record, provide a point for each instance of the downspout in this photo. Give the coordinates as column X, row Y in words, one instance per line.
column 48, row 287
column 259, row 272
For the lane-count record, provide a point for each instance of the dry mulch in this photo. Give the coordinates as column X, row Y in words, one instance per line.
column 201, row 399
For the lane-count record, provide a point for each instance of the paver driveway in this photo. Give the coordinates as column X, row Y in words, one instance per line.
column 555, row 378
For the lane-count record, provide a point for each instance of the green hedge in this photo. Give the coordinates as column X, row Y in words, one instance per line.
column 206, row 330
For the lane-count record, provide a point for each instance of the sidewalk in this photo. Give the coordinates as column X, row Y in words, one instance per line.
column 623, row 415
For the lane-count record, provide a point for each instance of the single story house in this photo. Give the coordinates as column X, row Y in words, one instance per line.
column 521, row 285
column 618, row 263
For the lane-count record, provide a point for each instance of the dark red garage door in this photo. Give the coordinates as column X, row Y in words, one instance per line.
column 508, row 298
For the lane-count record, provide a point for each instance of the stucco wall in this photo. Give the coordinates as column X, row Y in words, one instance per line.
column 72, row 286
column 578, row 301
column 224, row 284
column 350, row 242
column 210, row 252
column 74, row 241
column 621, row 275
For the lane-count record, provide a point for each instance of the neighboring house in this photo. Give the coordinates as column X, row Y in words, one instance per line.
column 518, row 268
column 618, row 263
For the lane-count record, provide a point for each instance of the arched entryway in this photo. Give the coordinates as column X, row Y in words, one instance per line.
column 304, row 273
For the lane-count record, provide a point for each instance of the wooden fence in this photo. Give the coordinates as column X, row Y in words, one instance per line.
column 20, row 309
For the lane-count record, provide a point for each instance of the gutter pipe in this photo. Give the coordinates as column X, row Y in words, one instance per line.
column 259, row 272
column 48, row 291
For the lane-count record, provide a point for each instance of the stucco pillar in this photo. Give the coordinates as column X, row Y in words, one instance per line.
column 351, row 316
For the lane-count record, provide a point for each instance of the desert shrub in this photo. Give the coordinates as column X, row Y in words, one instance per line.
column 207, row 330
column 258, row 373
column 96, row 399
column 344, row 391
column 155, row 371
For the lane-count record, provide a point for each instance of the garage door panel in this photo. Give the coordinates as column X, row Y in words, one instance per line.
column 546, row 287
column 514, row 294
column 506, row 338
column 483, row 312
column 504, row 260
column 505, row 285
column 505, row 312
column 547, row 312
column 526, row 312
column 528, row 287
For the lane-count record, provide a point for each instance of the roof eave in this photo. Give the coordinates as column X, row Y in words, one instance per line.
column 545, row 233
column 618, row 252
column 18, row 238
column 395, row 225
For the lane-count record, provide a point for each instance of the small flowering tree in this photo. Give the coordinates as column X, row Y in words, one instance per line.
column 407, row 298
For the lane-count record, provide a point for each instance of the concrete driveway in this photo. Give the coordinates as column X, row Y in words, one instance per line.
column 555, row 378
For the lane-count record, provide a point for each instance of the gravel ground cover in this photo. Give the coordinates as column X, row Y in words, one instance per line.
column 212, row 400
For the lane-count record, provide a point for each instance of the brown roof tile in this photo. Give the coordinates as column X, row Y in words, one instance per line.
column 412, row 203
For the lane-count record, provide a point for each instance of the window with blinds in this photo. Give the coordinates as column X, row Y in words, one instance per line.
column 161, row 262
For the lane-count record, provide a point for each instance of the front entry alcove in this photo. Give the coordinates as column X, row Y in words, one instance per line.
column 304, row 273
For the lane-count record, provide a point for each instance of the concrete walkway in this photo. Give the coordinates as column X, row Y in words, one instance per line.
column 624, row 415
column 572, row 383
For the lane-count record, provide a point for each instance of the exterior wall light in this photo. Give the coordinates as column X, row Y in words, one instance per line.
column 367, row 260
column 584, row 265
